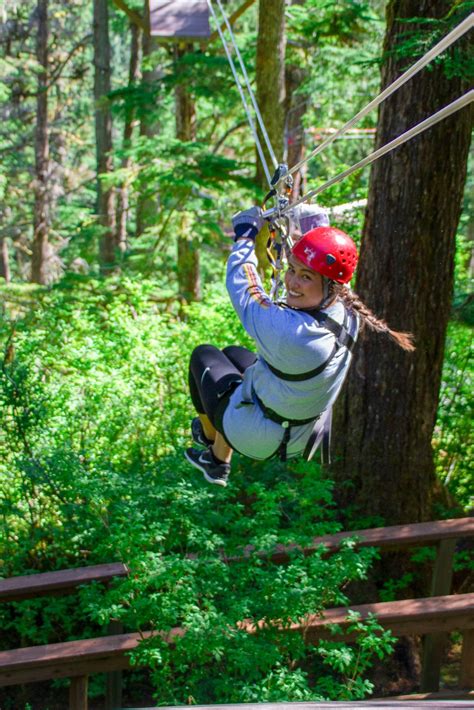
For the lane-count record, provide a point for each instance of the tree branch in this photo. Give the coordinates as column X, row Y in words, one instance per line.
column 233, row 18
column 56, row 74
column 227, row 134
column 58, row 71
column 132, row 15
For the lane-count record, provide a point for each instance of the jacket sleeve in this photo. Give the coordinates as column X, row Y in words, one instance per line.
column 263, row 320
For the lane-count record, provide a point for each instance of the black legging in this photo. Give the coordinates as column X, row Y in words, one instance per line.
column 213, row 376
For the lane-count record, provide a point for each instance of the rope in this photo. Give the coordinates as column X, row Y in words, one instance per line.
column 451, row 37
column 249, row 88
column 411, row 133
column 278, row 236
column 242, row 95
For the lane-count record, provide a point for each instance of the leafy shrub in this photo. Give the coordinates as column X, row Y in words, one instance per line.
column 95, row 415
column 453, row 440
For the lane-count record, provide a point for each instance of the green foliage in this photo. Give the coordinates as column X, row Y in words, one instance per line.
column 352, row 662
column 414, row 43
column 388, row 593
column 323, row 23
column 94, row 413
column 453, row 440
column 95, row 416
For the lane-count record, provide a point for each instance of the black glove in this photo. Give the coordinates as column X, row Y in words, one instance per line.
column 247, row 223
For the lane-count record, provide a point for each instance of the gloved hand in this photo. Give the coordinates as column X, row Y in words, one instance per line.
column 309, row 217
column 247, row 223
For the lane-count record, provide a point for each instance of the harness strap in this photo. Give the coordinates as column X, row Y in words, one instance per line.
column 320, row 437
column 281, row 451
column 339, row 330
column 303, row 375
column 321, row 432
column 285, row 423
column 278, row 418
column 343, row 339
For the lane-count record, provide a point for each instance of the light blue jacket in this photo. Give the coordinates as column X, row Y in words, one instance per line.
column 293, row 342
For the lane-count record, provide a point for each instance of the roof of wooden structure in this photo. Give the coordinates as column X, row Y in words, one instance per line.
column 179, row 19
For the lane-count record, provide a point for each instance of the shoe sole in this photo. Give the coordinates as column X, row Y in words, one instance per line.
column 208, row 478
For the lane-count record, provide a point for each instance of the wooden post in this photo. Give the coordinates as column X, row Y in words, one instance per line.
column 113, row 691
column 466, row 679
column 434, row 644
column 78, row 693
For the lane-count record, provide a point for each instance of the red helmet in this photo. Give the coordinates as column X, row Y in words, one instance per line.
column 329, row 251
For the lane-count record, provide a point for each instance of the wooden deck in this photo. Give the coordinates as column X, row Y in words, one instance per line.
column 419, row 701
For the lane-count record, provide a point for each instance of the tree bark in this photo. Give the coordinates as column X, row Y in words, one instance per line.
column 103, row 131
column 385, row 418
column 271, row 80
column 133, row 78
column 188, row 247
column 296, row 106
column 39, row 261
column 147, row 207
column 4, row 261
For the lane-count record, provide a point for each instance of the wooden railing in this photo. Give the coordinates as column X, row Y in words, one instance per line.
column 432, row 617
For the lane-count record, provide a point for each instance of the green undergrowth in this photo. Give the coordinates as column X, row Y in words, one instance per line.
column 95, row 416
column 453, row 438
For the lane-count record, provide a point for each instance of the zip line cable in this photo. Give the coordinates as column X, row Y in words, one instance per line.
column 242, row 95
column 451, row 37
column 411, row 133
column 278, row 227
column 451, row 108
column 249, row 87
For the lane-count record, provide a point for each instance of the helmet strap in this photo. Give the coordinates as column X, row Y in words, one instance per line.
column 327, row 296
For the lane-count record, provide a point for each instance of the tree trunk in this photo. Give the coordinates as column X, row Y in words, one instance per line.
column 147, row 207
column 271, row 80
column 133, row 78
column 4, row 261
column 39, row 262
column 385, row 419
column 188, row 247
column 103, row 132
column 296, row 106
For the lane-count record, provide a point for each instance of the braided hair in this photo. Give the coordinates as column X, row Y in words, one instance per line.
column 352, row 300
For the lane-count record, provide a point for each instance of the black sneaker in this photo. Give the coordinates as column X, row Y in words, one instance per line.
column 213, row 472
column 197, row 432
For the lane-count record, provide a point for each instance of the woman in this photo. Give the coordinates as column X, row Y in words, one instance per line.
column 279, row 401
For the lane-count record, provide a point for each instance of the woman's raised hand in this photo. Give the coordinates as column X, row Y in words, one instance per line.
column 248, row 223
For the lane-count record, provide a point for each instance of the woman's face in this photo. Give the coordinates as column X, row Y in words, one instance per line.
column 304, row 287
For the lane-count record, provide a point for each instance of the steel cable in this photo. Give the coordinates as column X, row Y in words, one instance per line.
column 249, row 88
column 411, row 133
column 451, row 37
column 242, row 96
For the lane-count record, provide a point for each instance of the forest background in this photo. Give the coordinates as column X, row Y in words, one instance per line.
column 123, row 159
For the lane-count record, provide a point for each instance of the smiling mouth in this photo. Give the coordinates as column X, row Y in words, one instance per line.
column 294, row 294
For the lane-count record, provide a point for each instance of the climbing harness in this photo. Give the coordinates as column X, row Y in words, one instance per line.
column 342, row 339
column 322, row 422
